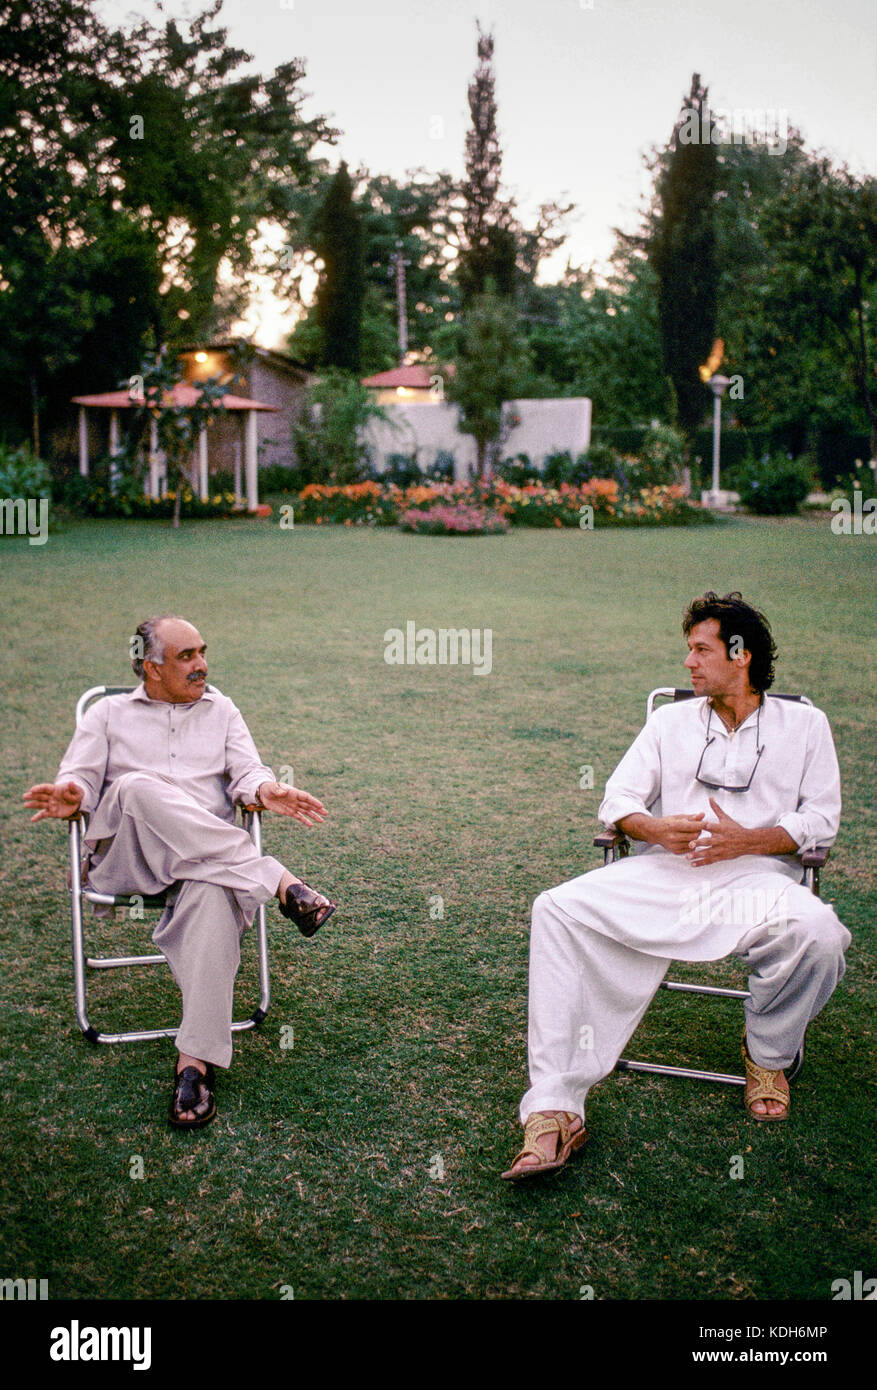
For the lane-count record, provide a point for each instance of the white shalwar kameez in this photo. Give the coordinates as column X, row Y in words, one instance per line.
column 601, row 943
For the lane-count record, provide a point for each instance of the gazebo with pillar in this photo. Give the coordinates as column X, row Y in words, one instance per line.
column 182, row 395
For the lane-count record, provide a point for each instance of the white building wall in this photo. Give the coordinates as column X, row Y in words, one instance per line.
column 548, row 427
column 426, row 428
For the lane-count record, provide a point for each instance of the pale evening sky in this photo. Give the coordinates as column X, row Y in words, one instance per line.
column 583, row 87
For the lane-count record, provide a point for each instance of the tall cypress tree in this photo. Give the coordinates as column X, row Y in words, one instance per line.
column 682, row 252
column 489, row 249
column 341, row 291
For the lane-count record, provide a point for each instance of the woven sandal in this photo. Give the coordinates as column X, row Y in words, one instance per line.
column 761, row 1084
column 567, row 1145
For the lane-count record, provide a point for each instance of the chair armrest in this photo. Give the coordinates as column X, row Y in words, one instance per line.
column 815, row 858
column 251, row 808
column 610, row 839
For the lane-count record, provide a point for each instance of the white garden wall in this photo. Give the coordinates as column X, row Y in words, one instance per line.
column 426, row 428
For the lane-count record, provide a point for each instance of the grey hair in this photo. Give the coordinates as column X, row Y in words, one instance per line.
column 153, row 647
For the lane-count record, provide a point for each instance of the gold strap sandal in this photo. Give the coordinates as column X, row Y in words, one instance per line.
column 761, row 1084
column 568, row 1144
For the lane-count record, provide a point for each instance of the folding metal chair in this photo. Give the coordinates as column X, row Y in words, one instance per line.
column 79, row 895
column 615, row 845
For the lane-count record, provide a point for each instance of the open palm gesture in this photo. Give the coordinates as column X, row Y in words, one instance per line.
column 58, row 800
column 284, row 800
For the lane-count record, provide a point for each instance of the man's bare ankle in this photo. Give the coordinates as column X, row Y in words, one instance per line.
column 184, row 1060
column 286, row 881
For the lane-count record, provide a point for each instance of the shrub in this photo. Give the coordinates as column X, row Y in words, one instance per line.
column 582, row 471
column 443, row 468
column 557, row 468
column 22, row 474
column 664, row 505
column 519, row 471
column 274, row 478
column 661, row 456
column 402, row 470
column 775, row 486
column 862, row 480
column 328, row 437
column 93, row 495
column 601, row 461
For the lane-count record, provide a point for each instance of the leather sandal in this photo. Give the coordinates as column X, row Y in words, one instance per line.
column 307, row 908
column 761, row 1084
column 187, row 1096
column 568, row 1144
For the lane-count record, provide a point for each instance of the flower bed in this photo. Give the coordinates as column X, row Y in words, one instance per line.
column 88, row 498
column 445, row 520
column 665, row 505
column 191, row 507
column 599, row 502
column 358, row 504
column 537, row 505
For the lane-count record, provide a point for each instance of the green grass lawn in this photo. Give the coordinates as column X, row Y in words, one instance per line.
column 409, row 1055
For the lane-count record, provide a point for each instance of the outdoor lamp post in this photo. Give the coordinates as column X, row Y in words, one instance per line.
column 718, row 385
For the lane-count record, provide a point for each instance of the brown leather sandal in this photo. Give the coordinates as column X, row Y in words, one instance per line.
column 761, row 1084
column 307, row 908
column 568, row 1144
column 187, row 1097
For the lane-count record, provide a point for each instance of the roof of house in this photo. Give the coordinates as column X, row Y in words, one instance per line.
column 416, row 377
column 182, row 394
column 272, row 356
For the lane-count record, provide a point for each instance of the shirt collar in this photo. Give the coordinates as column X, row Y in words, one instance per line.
column 209, row 693
column 718, row 723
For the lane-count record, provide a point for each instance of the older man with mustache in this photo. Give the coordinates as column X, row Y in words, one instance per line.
column 160, row 771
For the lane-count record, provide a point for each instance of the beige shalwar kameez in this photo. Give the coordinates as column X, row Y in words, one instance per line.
column 160, row 782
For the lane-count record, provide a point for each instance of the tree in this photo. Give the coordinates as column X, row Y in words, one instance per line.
column 417, row 217
column 144, row 149
column 208, row 156
column 601, row 339
column 821, row 231
column 794, row 237
column 342, row 283
column 420, row 217
column 119, row 277
column 489, row 250
column 489, row 369
column 682, row 253
column 56, row 61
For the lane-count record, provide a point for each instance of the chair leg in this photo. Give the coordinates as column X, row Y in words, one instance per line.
column 686, row 1073
column 253, row 823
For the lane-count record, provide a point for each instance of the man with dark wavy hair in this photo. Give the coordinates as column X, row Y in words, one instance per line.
column 719, row 794
column 160, row 771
